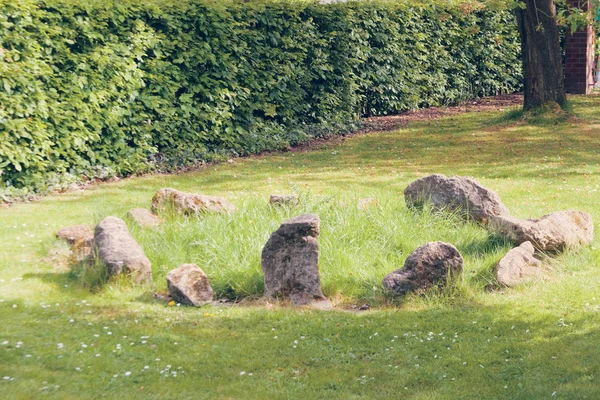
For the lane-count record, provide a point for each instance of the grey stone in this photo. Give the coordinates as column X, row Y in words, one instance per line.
column 556, row 232
column 290, row 261
column 518, row 266
column 284, row 199
column 144, row 217
column 189, row 285
column 77, row 235
column 430, row 265
column 117, row 249
column 189, row 203
column 455, row 194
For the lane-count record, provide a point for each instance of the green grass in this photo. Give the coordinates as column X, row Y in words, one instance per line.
column 539, row 340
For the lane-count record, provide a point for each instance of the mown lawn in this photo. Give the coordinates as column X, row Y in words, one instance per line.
column 63, row 336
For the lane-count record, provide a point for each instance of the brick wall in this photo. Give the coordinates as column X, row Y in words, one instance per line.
column 579, row 61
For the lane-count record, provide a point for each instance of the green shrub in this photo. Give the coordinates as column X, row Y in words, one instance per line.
column 134, row 86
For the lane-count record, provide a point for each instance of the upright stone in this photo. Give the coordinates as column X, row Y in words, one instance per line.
column 290, row 261
column 455, row 194
column 189, row 285
column 189, row 203
column 117, row 249
column 432, row 264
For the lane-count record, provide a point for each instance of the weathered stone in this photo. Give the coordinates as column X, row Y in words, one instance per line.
column 556, row 232
column 189, row 285
column 189, row 203
column 365, row 204
column 143, row 217
column 284, row 199
column 518, row 266
column 430, row 265
column 117, row 249
column 76, row 235
column 455, row 194
column 290, row 261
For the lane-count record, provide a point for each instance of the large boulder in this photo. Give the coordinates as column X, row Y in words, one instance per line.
column 556, row 232
column 143, row 217
column 290, row 261
column 432, row 264
column 455, row 194
column 117, row 249
column 518, row 266
column 189, row 203
column 189, row 285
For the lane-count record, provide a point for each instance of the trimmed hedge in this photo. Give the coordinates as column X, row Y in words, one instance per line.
column 92, row 88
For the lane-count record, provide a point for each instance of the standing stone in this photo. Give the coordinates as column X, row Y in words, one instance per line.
column 118, row 250
column 189, row 285
column 284, row 199
column 143, row 217
column 430, row 265
column 189, row 203
column 556, row 232
column 290, row 261
column 518, row 266
column 76, row 234
column 455, row 194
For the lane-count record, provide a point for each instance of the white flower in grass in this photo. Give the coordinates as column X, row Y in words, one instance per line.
column 127, row 373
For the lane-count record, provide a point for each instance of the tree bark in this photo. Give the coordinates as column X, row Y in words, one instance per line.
column 542, row 59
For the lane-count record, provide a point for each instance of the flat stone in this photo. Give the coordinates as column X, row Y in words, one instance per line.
column 458, row 194
column 189, row 203
column 553, row 233
column 284, row 199
column 119, row 252
column 369, row 202
column 518, row 266
column 290, row 261
column 144, row 217
column 77, row 234
column 430, row 265
column 189, row 285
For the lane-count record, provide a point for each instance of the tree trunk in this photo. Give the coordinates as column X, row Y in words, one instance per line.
column 542, row 59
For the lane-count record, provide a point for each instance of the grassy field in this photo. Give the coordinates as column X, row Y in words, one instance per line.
column 65, row 336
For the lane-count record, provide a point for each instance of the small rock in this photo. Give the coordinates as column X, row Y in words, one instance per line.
column 285, row 199
column 455, row 194
column 290, row 261
column 76, row 235
column 365, row 204
column 429, row 265
column 518, row 266
column 189, row 285
column 189, row 203
column 143, row 217
column 551, row 233
column 117, row 249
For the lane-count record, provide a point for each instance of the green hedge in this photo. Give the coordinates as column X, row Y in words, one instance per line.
column 92, row 88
